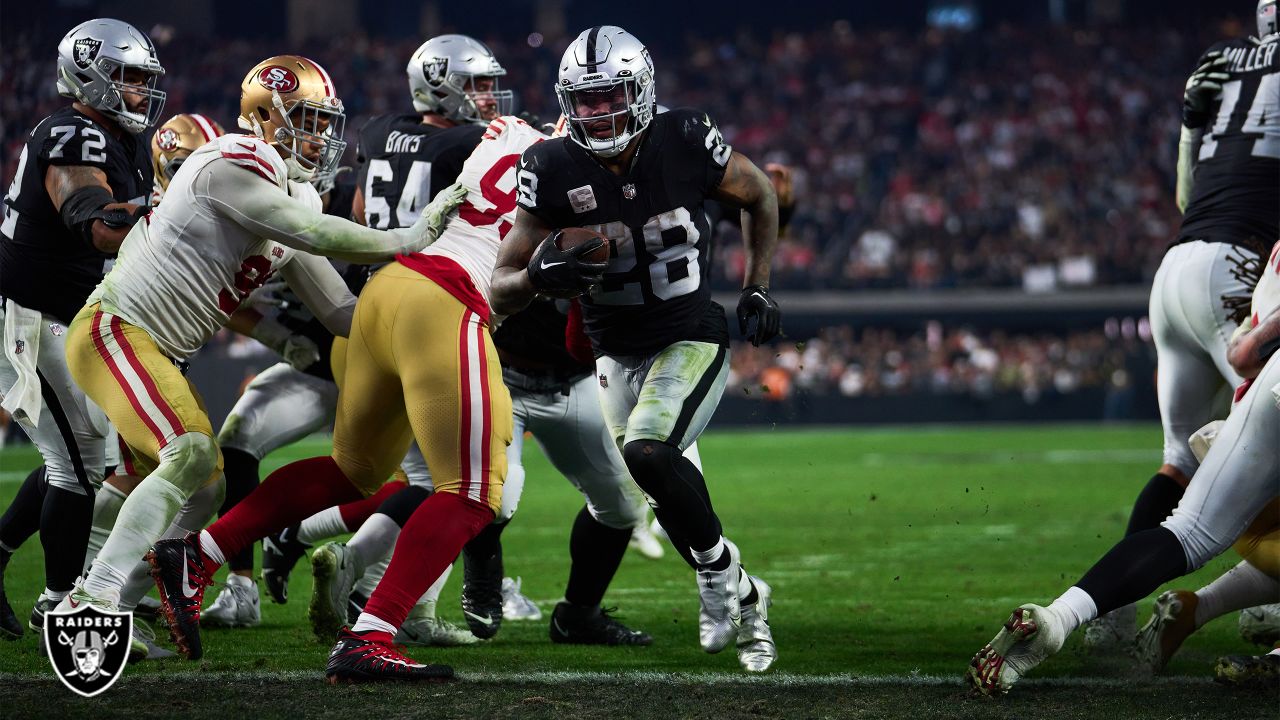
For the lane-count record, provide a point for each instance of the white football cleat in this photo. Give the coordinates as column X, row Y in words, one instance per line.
column 645, row 542
column 238, row 605
column 1113, row 633
column 142, row 633
column 756, row 651
column 658, row 531
column 1029, row 636
column 720, row 614
column 516, row 606
column 423, row 628
column 1172, row 621
column 1261, row 625
column 333, row 568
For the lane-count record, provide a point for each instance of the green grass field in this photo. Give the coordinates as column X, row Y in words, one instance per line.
column 894, row 555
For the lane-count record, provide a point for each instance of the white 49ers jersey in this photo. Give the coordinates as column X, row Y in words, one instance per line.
column 489, row 210
column 184, row 269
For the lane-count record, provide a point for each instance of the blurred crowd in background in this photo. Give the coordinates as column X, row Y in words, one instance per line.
column 1040, row 159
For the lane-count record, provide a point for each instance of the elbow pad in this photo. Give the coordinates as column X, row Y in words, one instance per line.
column 85, row 205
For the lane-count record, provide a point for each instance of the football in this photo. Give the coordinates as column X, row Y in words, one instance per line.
column 573, row 237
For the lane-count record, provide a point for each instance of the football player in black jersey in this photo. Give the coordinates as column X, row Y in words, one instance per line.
column 1229, row 189
column 1200, row 293
column 661, row 343
column 83, row 179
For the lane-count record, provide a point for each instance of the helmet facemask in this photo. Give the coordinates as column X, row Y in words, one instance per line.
column 102, row 86
column 588, row 106
column 1267, row 21
column 302, row 123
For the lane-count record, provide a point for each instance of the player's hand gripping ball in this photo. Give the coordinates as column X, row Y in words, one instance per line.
column 568, row 262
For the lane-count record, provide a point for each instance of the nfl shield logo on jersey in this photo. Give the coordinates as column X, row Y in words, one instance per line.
column 88, row 647
column 87, row 51
column 629, row 191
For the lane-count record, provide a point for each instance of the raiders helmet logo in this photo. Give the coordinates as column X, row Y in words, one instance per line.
column 88, row 647
column 167, row 139
column 86, row 51
column 435, row 70
column 279, row 79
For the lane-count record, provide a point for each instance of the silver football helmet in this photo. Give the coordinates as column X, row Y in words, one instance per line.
column 92, row 60
column 442, row 79
column 1267, row 25
column 606, row 75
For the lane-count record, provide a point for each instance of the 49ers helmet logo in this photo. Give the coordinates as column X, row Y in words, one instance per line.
column 280, row 79
column 167, row 139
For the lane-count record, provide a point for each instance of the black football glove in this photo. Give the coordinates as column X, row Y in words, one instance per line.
column 754, row 302
column 556, row 271
column 1202, row 89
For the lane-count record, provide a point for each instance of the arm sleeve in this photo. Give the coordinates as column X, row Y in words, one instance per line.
column 269, row 212
column 1188, row 149
column 322, row 290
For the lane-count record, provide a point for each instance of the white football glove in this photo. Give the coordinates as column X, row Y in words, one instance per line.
column 300, row 352
column 435, row 216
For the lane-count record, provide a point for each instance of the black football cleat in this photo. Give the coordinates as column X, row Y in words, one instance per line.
column 10, row 625
column 577, row 625
column 280, row 552
column 482, row 593
column 372, row 657
column 177, row 566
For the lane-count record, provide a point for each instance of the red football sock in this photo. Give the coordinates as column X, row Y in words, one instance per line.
column 429, row 542
column 288, row 496
column 355, row 513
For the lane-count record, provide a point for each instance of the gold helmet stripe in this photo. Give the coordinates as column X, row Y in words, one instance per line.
column 205, row 126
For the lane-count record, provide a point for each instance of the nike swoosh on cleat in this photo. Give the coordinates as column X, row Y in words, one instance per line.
column 187, row 590
column 556, row 624
column 73, row 603
column 482, row 619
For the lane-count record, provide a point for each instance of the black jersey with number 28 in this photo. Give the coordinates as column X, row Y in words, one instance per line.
column 43, row 264
column 655, row 291
column 1236, row 193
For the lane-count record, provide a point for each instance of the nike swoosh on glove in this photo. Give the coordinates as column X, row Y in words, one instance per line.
column 755, row 303
column 564, row 273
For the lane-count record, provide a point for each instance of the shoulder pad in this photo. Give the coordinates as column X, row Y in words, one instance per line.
column 253, row 154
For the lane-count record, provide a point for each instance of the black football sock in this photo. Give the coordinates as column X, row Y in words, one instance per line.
column 400, row 507
column 65, row 520
column 486, row 545
column 1155, row 503
column 1137, row 565
column 241, row 471
column 684, row 505
column 22, row 518
column 595, row 552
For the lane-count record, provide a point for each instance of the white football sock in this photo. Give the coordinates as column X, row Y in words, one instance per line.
column 210, row 548
column 136, row 587
column 375, row 539
column 706, row 557
column 322, row 526
column 1243, row 586
column 106, row 507
column 372, row 576
column 198, row 510
column 368, row 622
column 1075, row 608
column 54, row 595
column 432, row 595
column 145, row 515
